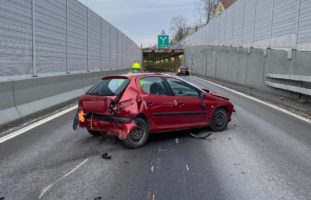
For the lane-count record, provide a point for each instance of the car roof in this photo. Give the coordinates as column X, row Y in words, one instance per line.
column 138, row 75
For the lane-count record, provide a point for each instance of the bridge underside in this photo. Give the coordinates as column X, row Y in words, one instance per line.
column 163, row 59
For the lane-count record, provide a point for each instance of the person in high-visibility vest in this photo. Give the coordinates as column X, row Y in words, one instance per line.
column 136, row 68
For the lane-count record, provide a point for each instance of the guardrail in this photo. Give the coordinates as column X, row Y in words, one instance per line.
column 298, row 80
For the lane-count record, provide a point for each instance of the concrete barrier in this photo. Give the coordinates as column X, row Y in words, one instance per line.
column 8, row 110
column 22, row 98
column 248, row 67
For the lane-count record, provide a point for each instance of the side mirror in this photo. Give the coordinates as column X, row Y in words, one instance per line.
column 206, row 90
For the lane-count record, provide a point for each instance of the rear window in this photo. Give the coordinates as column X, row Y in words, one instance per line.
column 108, row 87
column 183, row 67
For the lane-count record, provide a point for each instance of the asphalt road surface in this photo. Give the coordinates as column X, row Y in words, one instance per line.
column 264, row 154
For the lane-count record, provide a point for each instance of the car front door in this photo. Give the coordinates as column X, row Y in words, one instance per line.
column 160, row 104
column 191, row 107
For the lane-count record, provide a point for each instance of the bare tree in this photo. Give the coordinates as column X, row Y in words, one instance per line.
column 179, row 27
column 208, row 7
column 199, row 11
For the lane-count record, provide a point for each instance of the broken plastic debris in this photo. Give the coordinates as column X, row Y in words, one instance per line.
column 201, row 136
column 2, row 198
column 98, row 198
column 106, row 156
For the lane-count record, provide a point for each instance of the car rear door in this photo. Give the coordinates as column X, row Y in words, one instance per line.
column 160, row 104
column 191, row 107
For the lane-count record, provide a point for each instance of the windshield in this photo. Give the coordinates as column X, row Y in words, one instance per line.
column 108, row 87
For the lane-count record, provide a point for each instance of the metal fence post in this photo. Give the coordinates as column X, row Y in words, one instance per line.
column 297, row 24
column 101, row 45
column 87, row 40
column 67, row 64
column 117, row 50
column 243, row 23
column 254, row 33
column 34, row 61
column 233, row 23
column 110, row 48
column 271, row 28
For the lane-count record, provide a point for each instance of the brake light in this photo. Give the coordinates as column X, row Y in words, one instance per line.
column 95, row 123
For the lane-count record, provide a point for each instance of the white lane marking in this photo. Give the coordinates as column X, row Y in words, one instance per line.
column 153, row 196
column 262, row 102
column 187, row 167
column 35, row 124
column 177, row 141
column 152, row 168
column 46, row 189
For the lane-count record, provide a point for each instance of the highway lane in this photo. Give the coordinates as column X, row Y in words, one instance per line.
column 264, row 154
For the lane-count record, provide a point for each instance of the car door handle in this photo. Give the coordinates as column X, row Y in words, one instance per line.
column 149, row 101
column 180, row 103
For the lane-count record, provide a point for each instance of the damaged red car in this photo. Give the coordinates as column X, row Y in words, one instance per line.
column 133, row 106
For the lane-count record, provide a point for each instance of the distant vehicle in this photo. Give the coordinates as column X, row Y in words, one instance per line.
column 183, row 70
column 133, row 105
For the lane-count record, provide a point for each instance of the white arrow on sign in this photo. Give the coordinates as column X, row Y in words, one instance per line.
column 163, row 39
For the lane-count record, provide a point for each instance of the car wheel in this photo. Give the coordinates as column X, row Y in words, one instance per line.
column 94, row 133
column 219, row 120
column 138, row 136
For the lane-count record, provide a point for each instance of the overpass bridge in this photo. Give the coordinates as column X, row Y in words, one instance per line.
column 163, row 59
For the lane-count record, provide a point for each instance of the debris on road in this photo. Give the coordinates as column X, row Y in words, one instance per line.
column 201, row 136
column 98, row 198
column 2, row 198
column 106, row 156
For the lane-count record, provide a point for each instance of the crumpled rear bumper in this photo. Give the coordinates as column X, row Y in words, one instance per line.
column 119, row 126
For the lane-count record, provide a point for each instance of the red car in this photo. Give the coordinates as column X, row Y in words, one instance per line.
column 132, row 106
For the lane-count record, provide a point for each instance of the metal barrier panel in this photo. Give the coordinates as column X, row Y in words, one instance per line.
column 114, row 47
column 238, row 23
column 60, row 36
column 229, row 25
column 263, row 27
column 50, row 26
column 217, row 31
column 94, row 41
column 106, row 45
column 285, row 15
column 15, row 38
column 249, row 23
column 119, row 50
column 222, row 28
column 77, row 36
column 304, row 29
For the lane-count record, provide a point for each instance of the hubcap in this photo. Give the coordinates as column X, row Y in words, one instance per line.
column 137, row 133
column 220, row 119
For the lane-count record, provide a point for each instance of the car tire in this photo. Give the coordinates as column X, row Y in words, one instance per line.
column 219, row 120
column 138, row 136
column 94, row 133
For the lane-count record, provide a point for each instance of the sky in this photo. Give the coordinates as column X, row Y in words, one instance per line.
column 143, row 20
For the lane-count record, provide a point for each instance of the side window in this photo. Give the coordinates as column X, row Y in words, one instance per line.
column 153, row 85
column 181, row 88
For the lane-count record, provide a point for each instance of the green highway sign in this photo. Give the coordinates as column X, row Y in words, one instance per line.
column 163, row 41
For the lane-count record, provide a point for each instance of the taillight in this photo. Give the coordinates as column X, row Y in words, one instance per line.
column 80, row 104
